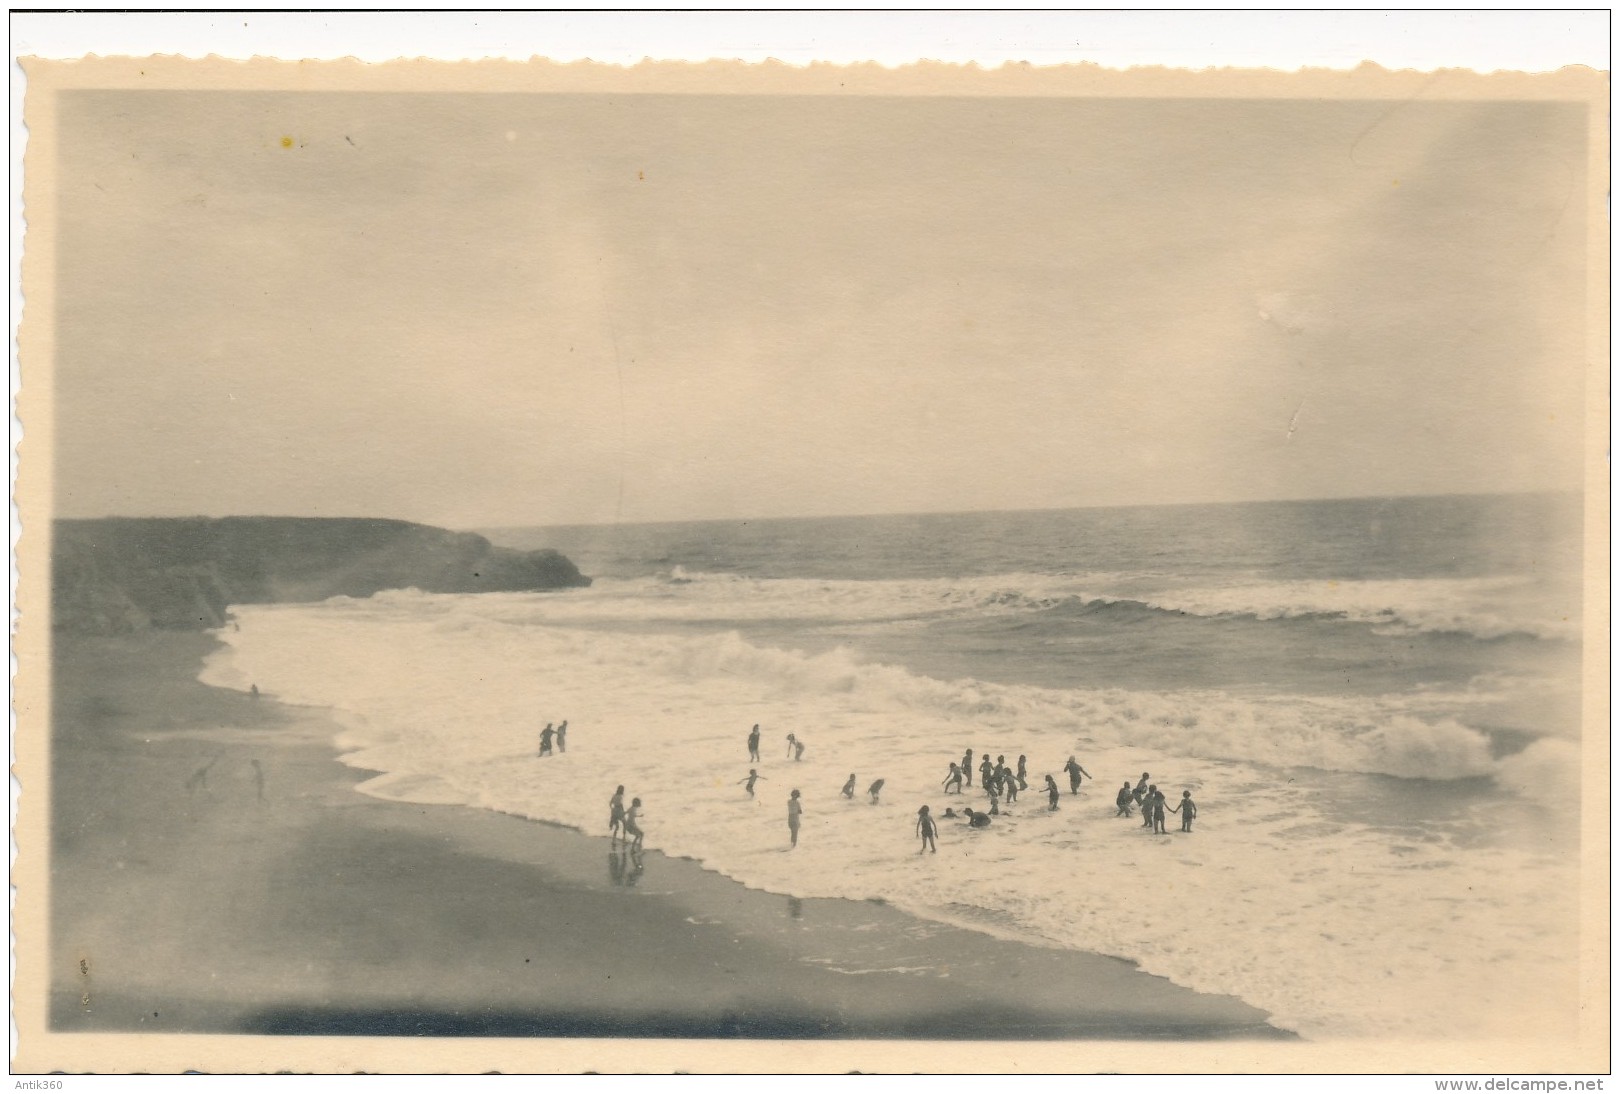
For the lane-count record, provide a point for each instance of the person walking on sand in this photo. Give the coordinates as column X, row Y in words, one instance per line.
column 849, row 787
column 1051, row 794
column 632, row 824
column 748, row 783
column 616, row 813
column 795, row 810
column 753, row 743
column 875, row 789
column 967, row 766
column 1123, row 800
column 1187, row 810
column 953, row 779
column 562, row 736
column 545, row 739
column 1023, row 771
column 199, row 778
column 926, row 829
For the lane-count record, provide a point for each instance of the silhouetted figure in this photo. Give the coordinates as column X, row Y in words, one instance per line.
column 875, row 789
column 562, row 736
column 1123, row 800
column 1051, row 794
column 253, row 690
column 1158, row 813
column 795, row 747
column 849, row 787
column 1147, row 805
column 794, row 812
column 967, row 766
column 1075, row 771
column 926, row 829
column 632, row 824
column 199, row 778
column 1187, row 810
column 753, row 744
column 976, row 820
column 1023, row 770
column 748, row 783
column 545, row 739
column 616, row 813
column 953, row 779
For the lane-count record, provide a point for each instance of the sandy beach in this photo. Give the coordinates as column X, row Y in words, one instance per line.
column 196, row 891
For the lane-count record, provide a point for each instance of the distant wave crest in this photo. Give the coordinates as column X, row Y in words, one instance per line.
column 1483, row 608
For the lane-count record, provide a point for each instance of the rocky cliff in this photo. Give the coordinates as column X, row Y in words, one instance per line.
column 123, row 574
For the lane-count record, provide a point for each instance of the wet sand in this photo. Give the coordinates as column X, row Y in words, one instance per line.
column 183, row 901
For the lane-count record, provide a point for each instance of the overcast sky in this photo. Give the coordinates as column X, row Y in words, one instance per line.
column 521, row 309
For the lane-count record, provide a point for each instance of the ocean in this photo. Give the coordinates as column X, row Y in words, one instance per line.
column 1375, row 704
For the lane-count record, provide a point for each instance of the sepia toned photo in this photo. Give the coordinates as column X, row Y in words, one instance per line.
column 730, row 568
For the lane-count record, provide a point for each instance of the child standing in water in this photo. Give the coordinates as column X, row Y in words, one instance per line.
column 1122, row 800
column 794, row 811
column 748, row 783
column 967, row 766
column 1147, row 805
column 795, row 748
column 953, row 779
column 875, row 789
column 562, row 736
column 1158, row 813
column 1187, row 810
column 925, row 829
column 632, row 826
column 1051, row 794
column 753, row 743
column 616, row 813
column 849, row 787
column 1023, row 768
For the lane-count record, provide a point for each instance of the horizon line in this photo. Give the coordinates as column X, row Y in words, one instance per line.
column 837, row 516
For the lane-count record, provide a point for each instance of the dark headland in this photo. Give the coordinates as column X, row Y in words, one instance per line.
column 213, row 869
column 121, row 574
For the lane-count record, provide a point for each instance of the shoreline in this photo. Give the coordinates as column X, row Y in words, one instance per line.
column 187, row 904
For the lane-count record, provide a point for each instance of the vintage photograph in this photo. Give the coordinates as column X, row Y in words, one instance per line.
column 610, row 557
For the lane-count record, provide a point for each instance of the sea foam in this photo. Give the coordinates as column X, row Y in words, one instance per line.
column 1277, row 896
